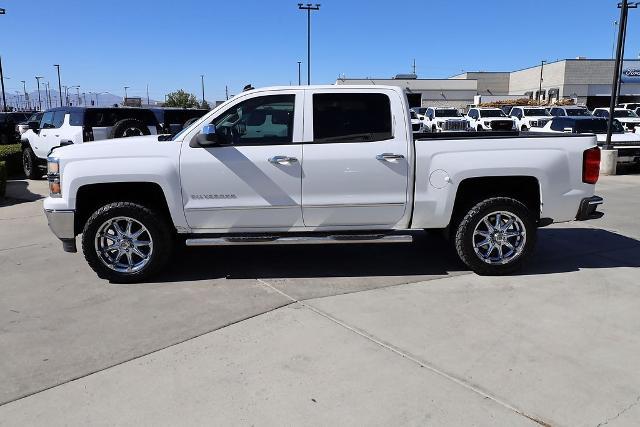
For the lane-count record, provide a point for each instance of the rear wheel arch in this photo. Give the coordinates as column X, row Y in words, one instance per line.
column 523, row 188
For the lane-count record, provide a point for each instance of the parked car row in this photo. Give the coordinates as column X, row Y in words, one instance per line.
column 75, row 125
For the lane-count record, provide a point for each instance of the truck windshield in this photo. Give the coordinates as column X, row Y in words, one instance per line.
column 624, row 113
column 596, row 126
column 536, row 112
column 447, row 113
column 577, row 112
column 492, row 113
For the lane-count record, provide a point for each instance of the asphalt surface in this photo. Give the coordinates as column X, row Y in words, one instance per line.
column 378, row 334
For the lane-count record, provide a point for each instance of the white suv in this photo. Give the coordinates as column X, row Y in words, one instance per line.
column 75, row 125
column 445, row 119
column 529, row 117
column 487, row 118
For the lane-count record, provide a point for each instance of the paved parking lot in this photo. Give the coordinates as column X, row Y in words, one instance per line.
column 379, row 334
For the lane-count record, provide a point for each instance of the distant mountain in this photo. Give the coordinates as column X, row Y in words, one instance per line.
column 15, row 100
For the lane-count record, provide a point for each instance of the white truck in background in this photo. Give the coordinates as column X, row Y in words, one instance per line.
column 315, row 164
column 445, row 119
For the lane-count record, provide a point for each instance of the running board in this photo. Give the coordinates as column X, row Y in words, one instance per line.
column 300, row 240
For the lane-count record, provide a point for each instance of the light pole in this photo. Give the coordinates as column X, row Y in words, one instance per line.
column 624, row 12
column 49, row 94
column 202, row 82
column 59, row 85
column 125, row 92
column 39, row 100
column 299, row 82
column 540, row 86
column 148, row 94
column 26, row 97
column 613, row 45
column 4, row 101
column 308, row 7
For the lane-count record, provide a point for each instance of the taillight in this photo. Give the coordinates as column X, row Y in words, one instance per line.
column 591, row 165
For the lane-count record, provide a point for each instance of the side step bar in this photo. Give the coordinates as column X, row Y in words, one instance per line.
column 300, row 240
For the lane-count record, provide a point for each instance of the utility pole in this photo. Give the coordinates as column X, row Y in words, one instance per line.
column 39, row 100
column 540, row 86
column 624, row 42
column 624, row 11
column 226, row 91
column 4, row 101
column 299, row 82
column 414, row 65
column 613, row 45
column 59, row 85
column 148, row 102
column 202, row 81
column 125, row 93
column 308, row 7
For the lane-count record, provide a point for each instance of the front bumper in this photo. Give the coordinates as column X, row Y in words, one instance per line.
column 62, row 224
column 588, row 208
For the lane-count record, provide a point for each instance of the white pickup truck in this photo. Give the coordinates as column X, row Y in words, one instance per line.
column 315, row 164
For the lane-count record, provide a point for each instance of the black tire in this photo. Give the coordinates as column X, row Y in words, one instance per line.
column 128, row 127
column 159, row 231
column 464, row 237
column 479, row 128
column 524, row 128
column 30, row 164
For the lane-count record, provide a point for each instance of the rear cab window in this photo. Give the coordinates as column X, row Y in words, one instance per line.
column 351, row 117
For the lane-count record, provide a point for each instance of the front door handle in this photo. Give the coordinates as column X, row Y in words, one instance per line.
column 282, row 160
column 389, row 157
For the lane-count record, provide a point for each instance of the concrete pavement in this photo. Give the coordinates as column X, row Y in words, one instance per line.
column 365, row 344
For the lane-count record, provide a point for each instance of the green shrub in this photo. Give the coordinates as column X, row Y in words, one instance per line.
column 12, row 155
column 3, row 179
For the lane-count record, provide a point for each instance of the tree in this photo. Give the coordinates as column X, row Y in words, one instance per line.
column 181, row 99
column 205, row 105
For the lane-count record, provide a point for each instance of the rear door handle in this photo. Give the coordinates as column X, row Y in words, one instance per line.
column 282, row 160
column 389, row 157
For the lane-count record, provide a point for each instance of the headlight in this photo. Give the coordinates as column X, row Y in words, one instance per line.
column 53, row 176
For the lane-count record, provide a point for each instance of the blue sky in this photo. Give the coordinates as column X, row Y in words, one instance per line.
column 105, row 45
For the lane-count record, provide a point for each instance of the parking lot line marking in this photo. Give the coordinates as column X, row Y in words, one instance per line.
column 399, row 352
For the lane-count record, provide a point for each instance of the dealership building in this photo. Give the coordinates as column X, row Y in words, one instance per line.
column 587, row 81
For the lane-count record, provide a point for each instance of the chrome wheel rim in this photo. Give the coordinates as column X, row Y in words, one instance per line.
column 26, row 161
column 499, row 237
column 124, row 244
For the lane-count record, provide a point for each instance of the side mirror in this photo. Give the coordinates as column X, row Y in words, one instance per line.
column 208, row 137
column 34, row 126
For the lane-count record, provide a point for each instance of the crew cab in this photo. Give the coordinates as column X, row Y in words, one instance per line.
column 627, row 144
column 627, row 118
column 75, row 125
column 315, row 164
column 529, row 117
column 487, row 118
column 442, row 119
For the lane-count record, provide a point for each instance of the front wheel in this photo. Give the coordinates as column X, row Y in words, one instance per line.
column 124, row 242
column 30, row 164
column 496, row 236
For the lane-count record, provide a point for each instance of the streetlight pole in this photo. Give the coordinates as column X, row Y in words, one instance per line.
column 125, row 93
column 202, row 82
column 299, row 82
column 4, row 100
column 59, row 85
column 148, row 102
column 308, row 7
column 39, row 100
column 540, row 86
column 26, row 97
column 49, row 94
column 624, row 9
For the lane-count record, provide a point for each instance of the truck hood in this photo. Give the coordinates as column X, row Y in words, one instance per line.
column 136, row 146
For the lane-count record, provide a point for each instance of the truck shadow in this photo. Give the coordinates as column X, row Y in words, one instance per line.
column 18, row 192
column 559, row 250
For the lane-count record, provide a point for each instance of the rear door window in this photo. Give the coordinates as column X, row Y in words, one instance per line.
column 351, row 117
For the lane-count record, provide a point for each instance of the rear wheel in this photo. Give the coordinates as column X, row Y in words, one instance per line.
column 125, row 242
column 524, row 128
column 496, row 236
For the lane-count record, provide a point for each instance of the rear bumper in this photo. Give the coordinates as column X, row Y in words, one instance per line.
column 588, row 208
column 62, row 224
